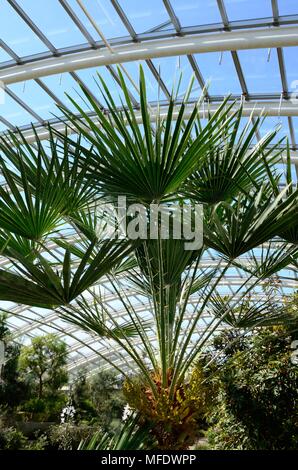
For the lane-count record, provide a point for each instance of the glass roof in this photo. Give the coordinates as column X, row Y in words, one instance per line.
column 81, row 24
column 33, row 30
column 246, row 9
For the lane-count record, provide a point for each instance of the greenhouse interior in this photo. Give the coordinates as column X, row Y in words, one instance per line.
column 148, row 225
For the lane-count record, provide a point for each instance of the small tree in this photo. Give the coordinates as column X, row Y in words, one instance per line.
column 99, row 397
column 107, row 396
column 81, row 397
column 12, row 389
column 43, row 365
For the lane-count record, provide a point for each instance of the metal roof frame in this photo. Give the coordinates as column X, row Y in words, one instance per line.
column 157, row 33
column 199, row 43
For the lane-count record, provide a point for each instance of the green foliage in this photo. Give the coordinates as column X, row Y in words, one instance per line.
column 130, row 436
column 68, row 436
column 43, row 191
column 42, row 366
column 40, row 442
column 42, row 285
column 99, row 399
column 233, row 165
column 12, row 439
column 289, row 234
column 145, row 162
column 44, row 409
column 13, row 390
column 249, row 220
column 257, row 402
column 107, row 397
column 291, row 304
column 43, row 363
column 80, row 394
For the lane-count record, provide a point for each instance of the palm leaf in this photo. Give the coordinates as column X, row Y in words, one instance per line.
column 48, row 176
column 17, row 289
column 90, row 316
column 290, row 234
column 248, row 314
column 127, row 159
column 235, row 228
column 233, row 165
column 64, row 286
column 131, row 436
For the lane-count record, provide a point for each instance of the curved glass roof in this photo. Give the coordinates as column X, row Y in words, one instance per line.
column 49, row 48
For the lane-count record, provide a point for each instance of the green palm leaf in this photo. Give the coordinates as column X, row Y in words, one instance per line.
column 248, row 314
column 290, row 234
column 61, row 287
column 233, row 165
column 43, row 178
column 235, row 228
column 142, row 161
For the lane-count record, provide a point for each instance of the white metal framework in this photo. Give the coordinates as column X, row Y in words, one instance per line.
column 213, row 42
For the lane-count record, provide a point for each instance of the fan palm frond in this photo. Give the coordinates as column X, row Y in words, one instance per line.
column 248, row 314
column 148, row 160
column 61, row 287
column 234, row 164
column 235, row 228
column 50, row 169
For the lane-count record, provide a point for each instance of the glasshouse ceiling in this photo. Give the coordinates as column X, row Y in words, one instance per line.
column 247, row 49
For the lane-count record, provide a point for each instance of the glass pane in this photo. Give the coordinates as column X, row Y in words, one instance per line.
column 33, row 95
column 56, row 24
column 64, row 83
column 90, row 78
column 144, row 15
column 16, row 323
column 2, row 127
column 295, row 125
column 133, row 68
column 170, row 70
column 288, row 7
column 245, row 9
column 220, row 70
column 15, row 32
column 4, row 57
column 271, row 122
column 196, row 12
column 104, row 15
column 14, row 113
column 291, row 64
column 261, row 75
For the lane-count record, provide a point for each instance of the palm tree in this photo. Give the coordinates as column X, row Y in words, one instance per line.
column 54, row 192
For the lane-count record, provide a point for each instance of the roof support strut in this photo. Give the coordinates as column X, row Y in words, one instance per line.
column 228, row 41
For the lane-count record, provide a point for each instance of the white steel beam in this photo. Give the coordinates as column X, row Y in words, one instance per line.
column 222, row 41
column 269, row 108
